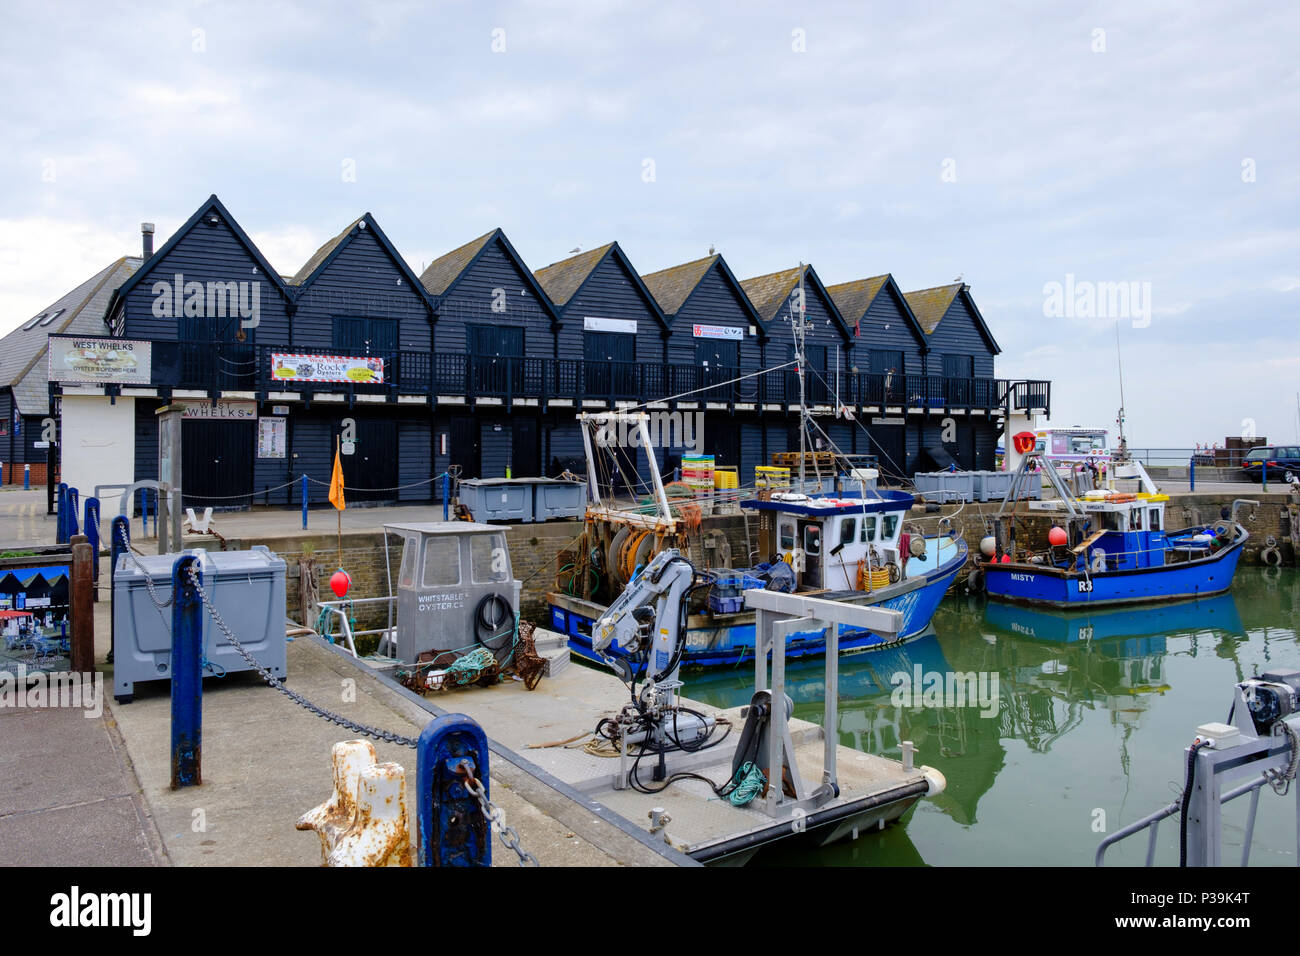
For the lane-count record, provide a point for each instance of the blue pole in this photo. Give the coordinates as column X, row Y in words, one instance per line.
column 27, row 477
column 119, row 538
column 144, row 512
column 74, row 499
column 61, row 519
column 446, row 496
column 1263, row 477
column 304, row 501
column 187, row 676
column 1191, row 474
column 446, row 832
column 91, row 525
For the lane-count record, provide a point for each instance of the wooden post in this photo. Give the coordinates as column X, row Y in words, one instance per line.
column 81, row 607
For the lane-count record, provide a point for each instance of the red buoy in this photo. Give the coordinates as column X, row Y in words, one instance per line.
column 1056, row 537
column 340, row 582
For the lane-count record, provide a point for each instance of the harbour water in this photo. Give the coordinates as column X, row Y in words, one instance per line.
column 1083, row 735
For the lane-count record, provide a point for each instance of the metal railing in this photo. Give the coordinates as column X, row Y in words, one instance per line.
column 218, row 366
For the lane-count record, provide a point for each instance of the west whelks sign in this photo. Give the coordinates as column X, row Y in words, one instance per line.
column 295, row 367
column 716, row 332
column 94, row 361
column 223, row 411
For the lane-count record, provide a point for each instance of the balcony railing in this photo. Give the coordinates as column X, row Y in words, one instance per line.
column 229, row 366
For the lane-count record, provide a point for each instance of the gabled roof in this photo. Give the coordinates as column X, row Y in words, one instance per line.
column 564, row 279
column 771, row 292
column 854, row 299
column 206, row 212
column 931, row 305
column 317, row 265
column 673, row 287
column 440, row 278
column 22, row 351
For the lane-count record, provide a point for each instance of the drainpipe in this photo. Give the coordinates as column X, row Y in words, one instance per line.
column 146, row 236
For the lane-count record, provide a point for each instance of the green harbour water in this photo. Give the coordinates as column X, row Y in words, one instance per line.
column 1092, row 713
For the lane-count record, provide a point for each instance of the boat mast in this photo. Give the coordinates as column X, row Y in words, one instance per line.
column 1122, row 456
column 797, row 317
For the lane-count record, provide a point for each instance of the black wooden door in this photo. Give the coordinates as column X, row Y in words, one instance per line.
column 611, row 364
column 718, row 360
column 958, row 370
column 370, row 472
column 888, row 387
column 464, row 450
column 526, row 449
column 496, row 359
column 889, row 445
column 722, row 441
column 216, row 463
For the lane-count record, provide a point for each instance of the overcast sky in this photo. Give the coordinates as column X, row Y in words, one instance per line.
column 1152, row 144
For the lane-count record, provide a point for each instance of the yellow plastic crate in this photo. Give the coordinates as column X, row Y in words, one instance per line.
column 726, row 476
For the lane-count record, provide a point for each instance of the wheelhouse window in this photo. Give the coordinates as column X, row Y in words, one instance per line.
column 1153, row 520
column 441, row 561
column 846, row 530
column 869, row 523
column 487, row 558
column 786, row 536
column 812, row 540
column 889, row 527
column 1135, row 519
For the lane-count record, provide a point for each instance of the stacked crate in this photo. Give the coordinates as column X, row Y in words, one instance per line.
column 727, row 593
column 697, row 474
column 772, row 476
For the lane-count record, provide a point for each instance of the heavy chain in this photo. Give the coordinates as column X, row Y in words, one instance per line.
column 297, row 698
column 496, row 818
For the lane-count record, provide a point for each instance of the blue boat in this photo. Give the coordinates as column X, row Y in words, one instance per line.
column 1112, row 548
column 849, row 548
column 1083, row 625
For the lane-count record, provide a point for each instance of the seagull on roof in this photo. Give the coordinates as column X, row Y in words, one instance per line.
column 575, row 249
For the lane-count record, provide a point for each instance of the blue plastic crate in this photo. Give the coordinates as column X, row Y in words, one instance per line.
column 726, row 604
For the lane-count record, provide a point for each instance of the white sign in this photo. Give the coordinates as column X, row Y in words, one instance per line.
column 91, row 361
column 716, row 332
column 887, row 421
column 327, row 368
column 595, row 324
column 279, row 409
column 225, row 411
column 272, row 437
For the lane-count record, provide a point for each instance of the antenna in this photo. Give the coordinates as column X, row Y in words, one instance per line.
column 1122, row 456
column 800, row 327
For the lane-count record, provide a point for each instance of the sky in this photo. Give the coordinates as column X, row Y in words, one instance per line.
column 1032, row 149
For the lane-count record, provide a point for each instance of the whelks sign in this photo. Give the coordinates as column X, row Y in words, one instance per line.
column 224, row 411
column 94, row 361
column 293, row 367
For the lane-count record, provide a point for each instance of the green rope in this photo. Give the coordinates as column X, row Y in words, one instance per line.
column 748, row 783
column 467, row 669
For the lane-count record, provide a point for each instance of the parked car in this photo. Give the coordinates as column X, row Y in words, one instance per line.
column 1281, row 459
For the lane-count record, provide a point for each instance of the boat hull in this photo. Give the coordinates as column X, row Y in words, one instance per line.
column 1050, row 587
column 727, row 640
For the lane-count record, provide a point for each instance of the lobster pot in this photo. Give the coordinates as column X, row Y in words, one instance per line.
column 455, row 591
column 245, row 587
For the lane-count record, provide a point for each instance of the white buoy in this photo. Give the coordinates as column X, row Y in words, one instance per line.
column 988, row 546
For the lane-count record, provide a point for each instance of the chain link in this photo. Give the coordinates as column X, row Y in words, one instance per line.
column 496, row 818
column 266, row 675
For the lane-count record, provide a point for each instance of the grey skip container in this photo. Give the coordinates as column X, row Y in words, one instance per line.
column 246, row 588
column 558, row 498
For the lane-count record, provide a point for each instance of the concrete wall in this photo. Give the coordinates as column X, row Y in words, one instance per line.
column 98, row 442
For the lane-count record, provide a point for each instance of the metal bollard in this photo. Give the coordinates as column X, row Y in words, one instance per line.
column 61, row 516
column 90, row 526
column 74, row 502
column 364, row 822
column 187, row 675
column 304, row 502
column 452, row 828
column 1263, row 477
column 446, row 496
column 27, row 477
column 1191, row 475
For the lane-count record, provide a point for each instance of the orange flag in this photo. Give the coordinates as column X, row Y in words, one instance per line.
column 336, row 483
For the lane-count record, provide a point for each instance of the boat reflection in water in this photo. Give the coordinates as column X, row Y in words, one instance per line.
column 1048, row 668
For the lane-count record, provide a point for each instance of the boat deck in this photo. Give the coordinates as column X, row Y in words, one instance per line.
column 874, row 790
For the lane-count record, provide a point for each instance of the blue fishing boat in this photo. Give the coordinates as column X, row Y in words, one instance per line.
column 1113, row 623
column 1106, row 547
column 853, row 548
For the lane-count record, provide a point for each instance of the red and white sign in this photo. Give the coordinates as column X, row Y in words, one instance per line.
column 717, row 332
column 294, row 367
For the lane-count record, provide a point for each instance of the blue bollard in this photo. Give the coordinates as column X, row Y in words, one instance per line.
column 61, row 517
column 452, row 828
column 187, row 676
column 304, row 501
column 1191, row 475
column 144, row 513
column 27, row 477
column 91, row 526
column 446, row 496
column 1263, row 477
column 74, row 503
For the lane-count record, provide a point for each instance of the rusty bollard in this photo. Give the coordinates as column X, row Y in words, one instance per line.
column 364, row 821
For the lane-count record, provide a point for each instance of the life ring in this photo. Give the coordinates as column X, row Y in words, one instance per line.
column 1118, row 497
column 1271, row 557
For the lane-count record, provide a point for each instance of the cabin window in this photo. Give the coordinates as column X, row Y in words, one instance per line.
column 410, row 552
column 1135, row 519
column 441, row 561
column 487, row 558
column 890, row 527
column 787, row 536
column 812, row 540
column 1153, row 520
column 868, row 529
column 846, row 530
